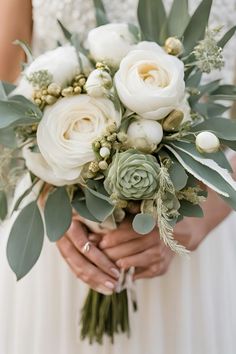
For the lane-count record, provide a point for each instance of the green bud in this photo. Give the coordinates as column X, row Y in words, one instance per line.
column 173, row 121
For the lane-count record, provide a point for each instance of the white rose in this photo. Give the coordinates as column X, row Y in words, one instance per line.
column 61, row 63
column 110, row 43
column 150, row 82
column 68, row 129
column 145, row 134
column 38, row 166
column 98, row 83
column 186, row 109
column 207, row 142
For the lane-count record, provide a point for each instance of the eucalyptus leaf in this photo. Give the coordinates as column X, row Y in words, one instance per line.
column 226, row 38
column 194, row 79
column 23, row 196
column 230, row 144
column 65, row 31
column 25, row 240
column 224, row 92
column 7, row 87
column 215, row 109
column 57, row 214
column 178, row 18
column 3, row 205
column 135, row 31
column 143, row 223
column 190, row 210
column 222, row 127
column 101, row 16
column 3, row 95
column 178, row 175
column 8, row 138
column 99, row 205
column 195, row 30
column 81, row 208
column 152, row 20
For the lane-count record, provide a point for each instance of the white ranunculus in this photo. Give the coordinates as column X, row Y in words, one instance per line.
column 145, row 134
column 68, row 129
column 207, row 142
column 98, row 83
column 186, row 109
column 150, row 82
column 62, row 63
column 38, row 166
column 110, row 43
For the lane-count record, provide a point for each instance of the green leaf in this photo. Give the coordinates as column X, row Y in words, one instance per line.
column 101, row 16
column 178, row 18
column 224, row 92
column 135, row 31
column 57, row 214
column 67, row 34
column 222, row 127
column 226, row 38
column 195, row 30
column 194, row 79
column 26, row 48
column 81, row 208
column 7, row 87
column 190, row 210
column 3, row 205
column 178, row 175
column 230, row 144
column 143, row 223
column 215, row 109
column 8, row 138
column 99, row 205
column 152, row 20
column 3, row 95
column 24, row 195
column 25, row 240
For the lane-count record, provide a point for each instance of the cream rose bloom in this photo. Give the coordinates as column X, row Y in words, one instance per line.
column 68, row 129
column 150, row 82
column 110, row 43
column 61, row 63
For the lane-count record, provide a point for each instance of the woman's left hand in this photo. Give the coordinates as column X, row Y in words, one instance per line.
column 147, row 254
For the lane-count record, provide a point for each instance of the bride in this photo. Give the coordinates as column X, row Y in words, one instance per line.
column 189, row 305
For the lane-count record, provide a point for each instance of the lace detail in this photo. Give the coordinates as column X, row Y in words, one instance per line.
column 79, row 15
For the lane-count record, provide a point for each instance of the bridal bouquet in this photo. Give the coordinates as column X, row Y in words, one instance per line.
column 120, row 126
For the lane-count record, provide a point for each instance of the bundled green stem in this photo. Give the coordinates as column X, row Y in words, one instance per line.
column 104, row 314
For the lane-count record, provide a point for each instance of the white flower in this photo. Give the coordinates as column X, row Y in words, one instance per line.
column 144, row 134
column 186, row 109
column 207, row 142
column 68, row 129
column 61, row 63
column 98, row 83
column 110, row 43
column 150, row 82
column 38, row 166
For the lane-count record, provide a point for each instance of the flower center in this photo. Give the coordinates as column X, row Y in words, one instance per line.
column 153, row 76
column 81, row 126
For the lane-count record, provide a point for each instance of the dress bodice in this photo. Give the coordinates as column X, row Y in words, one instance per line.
column 79, row 15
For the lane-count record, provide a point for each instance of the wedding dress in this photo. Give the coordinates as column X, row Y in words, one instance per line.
column 190, row 310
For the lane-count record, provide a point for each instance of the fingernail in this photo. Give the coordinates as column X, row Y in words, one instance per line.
column 119, row 263
column 102, row 244
column 115, row 272
column 104, row 291
column 110, row 285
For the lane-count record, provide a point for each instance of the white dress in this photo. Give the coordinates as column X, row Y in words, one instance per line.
column 190, row 310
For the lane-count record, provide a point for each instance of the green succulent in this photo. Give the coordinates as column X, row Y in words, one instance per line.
column 133, row 175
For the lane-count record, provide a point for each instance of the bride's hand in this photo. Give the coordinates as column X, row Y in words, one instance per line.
column 147, row 254
column 91, row 266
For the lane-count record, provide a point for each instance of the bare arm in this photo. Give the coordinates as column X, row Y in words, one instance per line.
column 15, row 23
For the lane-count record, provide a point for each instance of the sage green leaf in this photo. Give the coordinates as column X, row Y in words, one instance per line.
column 194, row 79
column 101, row 16
column 178, row 175
column 135, row 31
column 8, row 138
column 3, row 95
column 99, row 205
column 3, row 205
column 143, row 223
column 81, row 208
column 26, row 48
column 222, row 127
column 152, row 20
column 25, row 240
column 57, row 214
column 190, row 210
column 224, row 92
column 178, row 18
column 203, row 173
column 226, row 38
column 65, row 31
column 215, row 109
column 7, row 88
column 23, row 196
column 195, row 30
column 230, row 144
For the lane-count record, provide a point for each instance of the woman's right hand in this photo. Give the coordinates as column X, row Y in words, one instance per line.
column 92, row 266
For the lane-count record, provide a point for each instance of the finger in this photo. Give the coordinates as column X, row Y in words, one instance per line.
column 143, row 259
column 131, row 248
column 94, row 238
column 122, row 234
column 78, row 237
column 84, row 270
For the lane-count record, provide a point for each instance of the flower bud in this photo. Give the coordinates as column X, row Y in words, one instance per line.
column 207, row 142
column 173, row 46
column 51, row 99
column 104, row 152
column 98, row 83
column 54, row 89
column 103, row 165
column 173, row 121
column 145, row 135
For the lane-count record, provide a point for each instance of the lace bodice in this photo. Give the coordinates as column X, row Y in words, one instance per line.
column 79, row 15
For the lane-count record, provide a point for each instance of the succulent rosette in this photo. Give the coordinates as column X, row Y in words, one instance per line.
column 133, row 175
